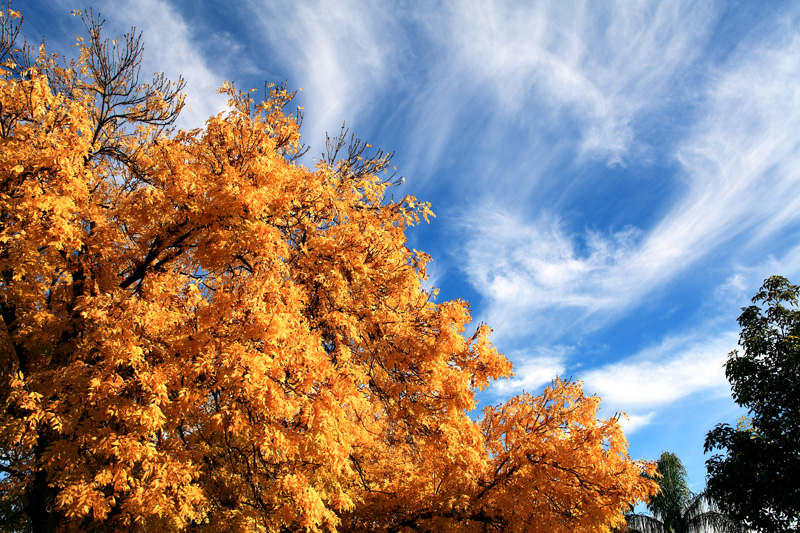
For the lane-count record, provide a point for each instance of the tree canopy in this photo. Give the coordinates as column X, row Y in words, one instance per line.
column 757, row 477
column 198, row 330
column 675, row 509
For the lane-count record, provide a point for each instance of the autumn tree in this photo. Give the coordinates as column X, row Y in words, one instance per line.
column 201, row 333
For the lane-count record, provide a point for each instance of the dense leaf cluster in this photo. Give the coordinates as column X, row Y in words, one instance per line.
column 200, row 334
column 757, row 478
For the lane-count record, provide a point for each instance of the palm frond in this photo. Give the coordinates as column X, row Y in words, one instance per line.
column 676, row 509
column 642, row 523
column 702, row 514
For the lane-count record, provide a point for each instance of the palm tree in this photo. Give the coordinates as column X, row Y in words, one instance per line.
column 676, row 509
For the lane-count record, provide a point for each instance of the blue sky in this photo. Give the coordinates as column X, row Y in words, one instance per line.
column 612, row 180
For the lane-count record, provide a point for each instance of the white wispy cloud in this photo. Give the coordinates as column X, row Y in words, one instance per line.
column 740, row 170
column 532, row 369
column 743, row 158
column 342, row 54
column 597, row 64
column 662, row 374
column 641, row 385
column 632, row 423
column 644, row 385
column 525, row 270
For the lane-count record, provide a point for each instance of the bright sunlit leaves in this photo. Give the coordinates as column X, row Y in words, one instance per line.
column 200, row 333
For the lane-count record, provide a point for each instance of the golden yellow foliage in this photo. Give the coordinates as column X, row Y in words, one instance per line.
column 201, row 334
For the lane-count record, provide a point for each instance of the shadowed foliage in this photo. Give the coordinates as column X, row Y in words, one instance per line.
column 756, row 478
column 676, row 509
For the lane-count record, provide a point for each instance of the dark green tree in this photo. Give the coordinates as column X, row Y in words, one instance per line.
column 756, row 478
column 676, row 509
